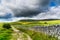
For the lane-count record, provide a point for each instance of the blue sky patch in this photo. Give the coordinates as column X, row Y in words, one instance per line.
column 53, row 4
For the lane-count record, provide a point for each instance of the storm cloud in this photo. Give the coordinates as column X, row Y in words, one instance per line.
column 30, row 8
column 23, row 8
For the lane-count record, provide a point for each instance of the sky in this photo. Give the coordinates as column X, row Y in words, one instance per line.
column 14, row 10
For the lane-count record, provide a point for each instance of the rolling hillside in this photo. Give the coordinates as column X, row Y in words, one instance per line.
column 30, row 30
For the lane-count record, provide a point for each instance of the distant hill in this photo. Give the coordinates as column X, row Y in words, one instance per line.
column 38, row 19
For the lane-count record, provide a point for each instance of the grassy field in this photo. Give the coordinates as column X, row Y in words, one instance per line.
column 5, row 34
column 36, row 23
column 33, row 34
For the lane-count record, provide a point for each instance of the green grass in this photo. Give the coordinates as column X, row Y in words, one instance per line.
column 5, row 34
column 36, row 23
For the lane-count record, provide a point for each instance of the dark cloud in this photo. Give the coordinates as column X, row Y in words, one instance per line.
column 25, row 13
column 28, row 11
column 45, row 2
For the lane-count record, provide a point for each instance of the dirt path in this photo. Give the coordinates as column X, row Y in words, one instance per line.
column 18, row 35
